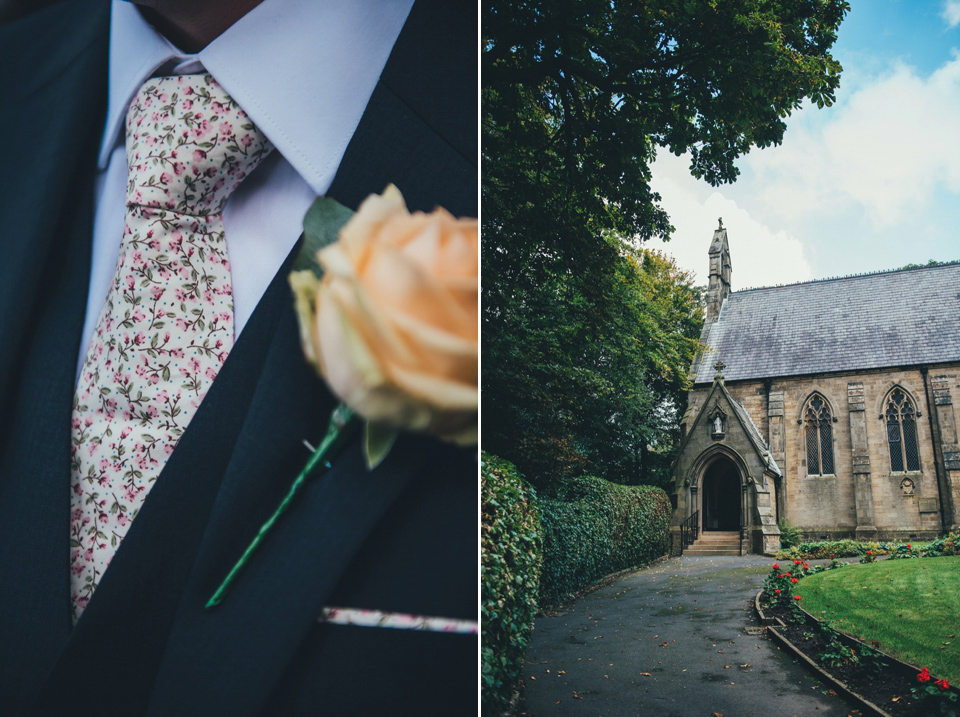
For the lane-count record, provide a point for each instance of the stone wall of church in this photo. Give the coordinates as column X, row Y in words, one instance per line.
column 863, row 497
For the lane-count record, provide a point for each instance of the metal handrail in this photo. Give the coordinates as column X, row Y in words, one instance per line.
column 741, row 532
column 689, row 530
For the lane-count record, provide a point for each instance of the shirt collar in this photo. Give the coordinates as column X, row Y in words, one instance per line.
column 303, row 70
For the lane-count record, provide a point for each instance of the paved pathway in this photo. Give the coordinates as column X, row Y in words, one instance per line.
column 669, row 641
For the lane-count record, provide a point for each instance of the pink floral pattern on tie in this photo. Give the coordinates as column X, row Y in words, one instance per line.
column 167, row 324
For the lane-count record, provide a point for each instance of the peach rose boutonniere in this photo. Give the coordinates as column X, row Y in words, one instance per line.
column 387, row 303
column 392, row 325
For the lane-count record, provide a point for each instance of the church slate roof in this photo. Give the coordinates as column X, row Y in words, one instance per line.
column 897, row 318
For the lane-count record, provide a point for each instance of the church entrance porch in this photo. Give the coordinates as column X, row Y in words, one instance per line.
column 720, row 506
column 724, row 479
column 721, row 497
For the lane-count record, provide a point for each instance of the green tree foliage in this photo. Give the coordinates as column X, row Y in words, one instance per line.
column 578, row 364
column 578, row 94
column 930, row 262
column 592, row 393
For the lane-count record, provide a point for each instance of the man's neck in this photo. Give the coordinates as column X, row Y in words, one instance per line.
column 191, row 25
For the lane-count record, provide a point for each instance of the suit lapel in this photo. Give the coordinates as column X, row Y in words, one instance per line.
column 46, row 215
column 237, row 651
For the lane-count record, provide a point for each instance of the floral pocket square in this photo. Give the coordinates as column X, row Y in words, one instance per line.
column 396, row 620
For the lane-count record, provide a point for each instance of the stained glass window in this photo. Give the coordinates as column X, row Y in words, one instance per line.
column 819, row 434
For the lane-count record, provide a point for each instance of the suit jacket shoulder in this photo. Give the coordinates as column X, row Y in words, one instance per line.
column 53, row 67
column 420, row 128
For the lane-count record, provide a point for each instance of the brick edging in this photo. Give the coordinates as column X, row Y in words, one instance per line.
column 773, row 622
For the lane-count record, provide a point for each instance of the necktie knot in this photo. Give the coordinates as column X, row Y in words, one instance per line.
column 188, row 145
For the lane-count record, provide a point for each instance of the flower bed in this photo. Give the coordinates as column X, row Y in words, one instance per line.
column 947, row 545
column 895, row 687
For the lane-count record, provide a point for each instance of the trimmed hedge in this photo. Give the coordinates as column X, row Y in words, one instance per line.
column 837, row 548
column 592, row 528
column 509, row 576
column 947, row 545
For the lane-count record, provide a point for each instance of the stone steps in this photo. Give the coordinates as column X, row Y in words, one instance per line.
column 715, row 542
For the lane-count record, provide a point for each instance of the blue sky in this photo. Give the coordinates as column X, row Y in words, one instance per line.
column 869, row 184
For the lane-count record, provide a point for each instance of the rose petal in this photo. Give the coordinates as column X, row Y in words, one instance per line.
column 437, row 351
column 333, row 260
column 395, row 282
column 367, row 318
column 445, row 393
column 343, row 357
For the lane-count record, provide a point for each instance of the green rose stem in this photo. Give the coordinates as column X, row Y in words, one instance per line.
column 343, row 424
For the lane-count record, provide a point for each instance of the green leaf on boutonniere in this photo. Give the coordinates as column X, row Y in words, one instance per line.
column 320, row 227
column 377, row 442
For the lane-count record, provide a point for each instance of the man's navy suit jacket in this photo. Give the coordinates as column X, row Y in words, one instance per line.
column 401, row 538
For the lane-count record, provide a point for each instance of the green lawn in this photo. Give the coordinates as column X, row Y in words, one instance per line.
column 911, row 606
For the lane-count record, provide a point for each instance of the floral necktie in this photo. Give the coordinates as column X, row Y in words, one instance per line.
column 167, row 324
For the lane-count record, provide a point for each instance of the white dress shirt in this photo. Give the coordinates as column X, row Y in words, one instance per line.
column 304, row 71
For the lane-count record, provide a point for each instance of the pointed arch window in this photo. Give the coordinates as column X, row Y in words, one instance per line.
column 819, row 433
column 901, row 418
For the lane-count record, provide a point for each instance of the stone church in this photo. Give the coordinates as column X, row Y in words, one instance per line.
column 828, row 404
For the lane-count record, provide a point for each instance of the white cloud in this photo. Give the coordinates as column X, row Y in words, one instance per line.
column 871, row 183
column 951, row 13
column 886, row 149
column 760, row 256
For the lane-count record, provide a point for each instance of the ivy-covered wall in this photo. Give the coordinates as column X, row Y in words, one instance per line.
column 548, row 549
column 592, row 528
column 509, row 577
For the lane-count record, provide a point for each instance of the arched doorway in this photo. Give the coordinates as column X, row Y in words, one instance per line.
column 721, row 496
